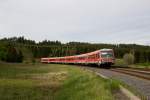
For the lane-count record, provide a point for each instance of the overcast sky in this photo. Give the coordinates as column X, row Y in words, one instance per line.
column 96, row 21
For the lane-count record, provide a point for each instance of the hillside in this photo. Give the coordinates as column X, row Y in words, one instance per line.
column 28, row 50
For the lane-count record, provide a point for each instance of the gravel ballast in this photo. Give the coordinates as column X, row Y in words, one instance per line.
column 140, row 85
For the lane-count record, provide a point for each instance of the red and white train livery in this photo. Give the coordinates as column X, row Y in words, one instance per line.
column 99, row 57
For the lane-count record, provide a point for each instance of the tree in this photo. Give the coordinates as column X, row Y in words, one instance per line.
column 19, row 56
column 137, row 56
column 11, row 55
column 128, row 58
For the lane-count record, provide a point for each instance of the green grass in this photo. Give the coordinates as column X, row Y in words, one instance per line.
column 143, row 65
column 120, row 63
column 84, row 85
column 52, row 82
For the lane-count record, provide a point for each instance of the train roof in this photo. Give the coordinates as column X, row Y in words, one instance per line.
column 105, row 49
column 80, row 55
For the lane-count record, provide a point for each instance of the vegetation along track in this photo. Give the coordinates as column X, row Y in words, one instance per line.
column 134, row 72
column 139, row 86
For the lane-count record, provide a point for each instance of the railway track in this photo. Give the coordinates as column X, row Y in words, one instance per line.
column 138, row 79
column 133, row 72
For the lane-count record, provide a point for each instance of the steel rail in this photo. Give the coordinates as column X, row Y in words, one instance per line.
column 133, row 72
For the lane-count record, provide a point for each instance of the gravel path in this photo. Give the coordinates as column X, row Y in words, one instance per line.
column 141, row 85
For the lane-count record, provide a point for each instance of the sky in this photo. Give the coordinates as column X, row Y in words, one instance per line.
column 95, row 21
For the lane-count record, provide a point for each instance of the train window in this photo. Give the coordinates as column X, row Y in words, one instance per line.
column 81, row 58
column 97, row 55
column 92, row 56
column 106, row 54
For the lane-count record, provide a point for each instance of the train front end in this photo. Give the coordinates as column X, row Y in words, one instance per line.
column 107, row 57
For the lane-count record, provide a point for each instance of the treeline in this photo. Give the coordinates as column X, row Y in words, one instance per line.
column 48, row 48
column 9, row 53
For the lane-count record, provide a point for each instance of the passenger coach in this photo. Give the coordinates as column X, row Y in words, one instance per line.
column 99, row 57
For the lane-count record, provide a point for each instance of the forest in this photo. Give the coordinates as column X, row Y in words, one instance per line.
column 19, row 49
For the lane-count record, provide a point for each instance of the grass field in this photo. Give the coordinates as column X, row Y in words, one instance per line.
column 52, row 82
column 121, row 63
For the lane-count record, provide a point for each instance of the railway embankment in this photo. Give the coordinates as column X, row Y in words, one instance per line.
column 139, row 85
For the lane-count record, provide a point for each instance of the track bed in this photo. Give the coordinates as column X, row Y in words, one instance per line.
column 139, row 84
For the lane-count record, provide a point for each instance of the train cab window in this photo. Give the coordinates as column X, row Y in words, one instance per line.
column 106, row 54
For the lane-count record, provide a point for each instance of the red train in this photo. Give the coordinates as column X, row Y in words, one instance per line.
column 99, row 57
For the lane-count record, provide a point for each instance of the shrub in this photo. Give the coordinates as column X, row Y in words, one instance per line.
column 128, row 58
column 120, row 62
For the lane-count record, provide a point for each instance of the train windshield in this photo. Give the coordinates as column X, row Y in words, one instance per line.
column 106, row 54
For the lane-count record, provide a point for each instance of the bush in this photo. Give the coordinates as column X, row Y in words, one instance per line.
column 120, row 62
column 128, row 58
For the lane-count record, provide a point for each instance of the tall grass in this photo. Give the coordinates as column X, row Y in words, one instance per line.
column 84, row 85
column 143, row 65
column 52, row 82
